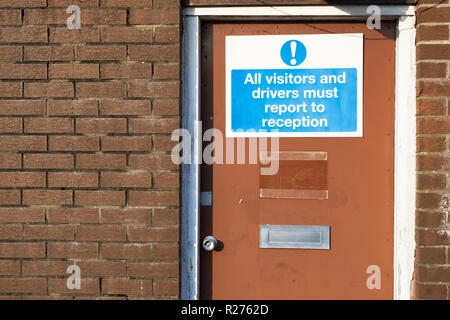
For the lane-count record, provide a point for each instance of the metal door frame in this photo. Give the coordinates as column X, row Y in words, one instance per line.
column 405, row 126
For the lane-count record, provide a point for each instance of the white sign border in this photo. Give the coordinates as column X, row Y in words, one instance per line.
column 359, row 133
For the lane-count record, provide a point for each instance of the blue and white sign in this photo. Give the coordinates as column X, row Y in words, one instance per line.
column 294, row 86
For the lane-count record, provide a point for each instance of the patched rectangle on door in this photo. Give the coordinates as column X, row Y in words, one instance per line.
column 301, row 175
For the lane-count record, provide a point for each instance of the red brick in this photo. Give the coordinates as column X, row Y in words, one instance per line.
column 432, row 237
column 166, row 107
column 431, row 201
column 102, row 268
column 72, row 107
column 163, row 143
column 116, row 143
column 40, row 297
column 166, row 180
column 73, row 250
column 164, row 251
column 73, row 71
column 101, row 89
column 10, row 125
column 127, row 286
column 10, row 161
column 154, row 16
column 430, row 219
column 167, row 34
column 127, row 251
column 88, row 16
column 22, row 250
column 104, row 53
column 166, row 71
column 26, row 34
column 166, row 3
column 48, row 125
column 101, row 233
column 11, row 232
column 23, row 285
column 23, row 3
column 430, row 291
column 9, row 268
column 22, row 179
column 9, row 197
column 165, row 217
column 126, row 71
column 126, row 216
column 154, row 52
column 150, row 125
column 45, row 268
column 433, row 125
column 128, row 3
column 430, row 144
column 101, row 125
column 429, row 106
column 154, row 198
column 10, row 89
column 127, row 34
column 83, row 35
column 54, row 89
column 87, row 286
column 436, row 14
column 153, row 162
column 141, row 89
column 77, row 143
column 48, row 161
column 48, row 232
column 430, row 255
column 72, row 180
column 47, row 197
column 153, row 269
column 72, row 215
column 10, row 53
column 10, row 17
column 433, row 162
column 80, row 3
column 101, row 161
column 125, row 107
column 48, row 53
column 433, row 88
column 22, row 215
column 23, row 143
column 100, row 198
column 433, row 51
column 144, row 234
column 22, row 107
column 436, row 32
column 23, row 71
column 431, row 181
column 126, row 180
column 166, row 287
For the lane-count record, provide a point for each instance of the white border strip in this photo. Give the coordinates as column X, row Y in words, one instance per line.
column 300, row 11
column 405, row 158
column 405, row 125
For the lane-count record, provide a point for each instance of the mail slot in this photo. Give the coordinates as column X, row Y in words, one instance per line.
column 299, row 237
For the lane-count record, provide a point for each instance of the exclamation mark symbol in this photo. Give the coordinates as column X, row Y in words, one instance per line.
column 293, row 51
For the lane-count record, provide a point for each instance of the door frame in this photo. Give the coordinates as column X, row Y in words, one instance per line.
column 405, row 126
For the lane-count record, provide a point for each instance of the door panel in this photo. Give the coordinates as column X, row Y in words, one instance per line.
column 357, row 174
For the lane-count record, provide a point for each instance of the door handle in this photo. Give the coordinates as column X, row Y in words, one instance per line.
column 209, row 243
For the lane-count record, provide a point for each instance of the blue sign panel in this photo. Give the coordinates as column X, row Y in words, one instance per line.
column 294, row 100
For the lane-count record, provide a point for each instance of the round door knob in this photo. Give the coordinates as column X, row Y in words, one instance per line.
column 209, row 243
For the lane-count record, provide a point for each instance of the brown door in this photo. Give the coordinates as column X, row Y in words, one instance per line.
column 356, row 173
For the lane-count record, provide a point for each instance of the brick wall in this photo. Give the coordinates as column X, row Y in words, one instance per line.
column 85, row 171
column 433, row 161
